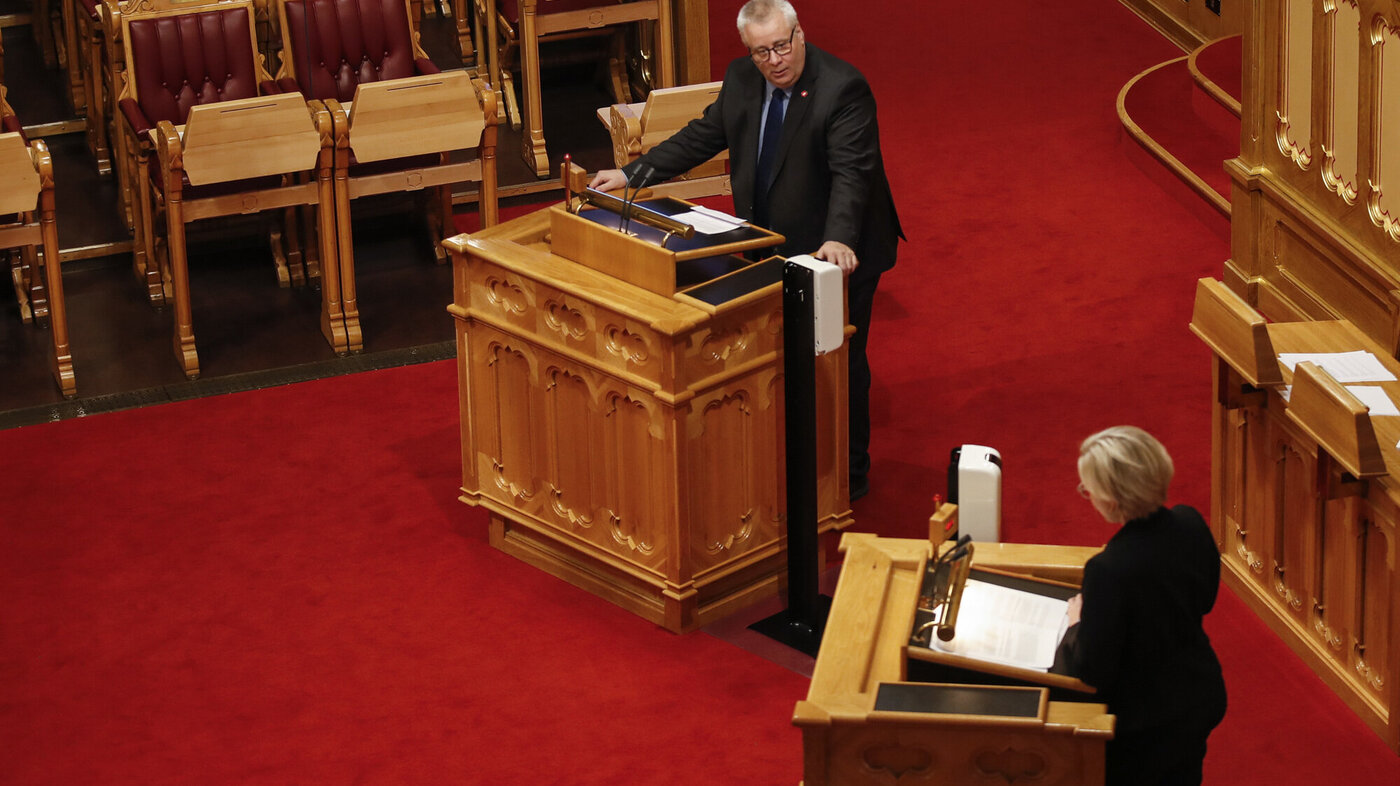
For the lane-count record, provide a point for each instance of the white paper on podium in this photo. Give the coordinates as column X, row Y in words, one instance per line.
column 1358, row 366
column 1007, row 626
column 1374, row 398
column 707, row 221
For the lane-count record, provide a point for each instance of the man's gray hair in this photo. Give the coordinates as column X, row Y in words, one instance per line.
column 763, row 10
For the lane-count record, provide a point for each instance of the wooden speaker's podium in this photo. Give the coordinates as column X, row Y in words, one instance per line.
column 621, row 396
column 870, row 718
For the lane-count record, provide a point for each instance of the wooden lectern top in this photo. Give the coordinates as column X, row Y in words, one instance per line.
column 584, row 252
column 864, row 722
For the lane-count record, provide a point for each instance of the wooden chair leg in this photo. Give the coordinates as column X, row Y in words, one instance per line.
column 58, row 312
column 308, row 220
column 532, row 134
column 337, row 242
column 125, row 164
column 71, row 59
column 440, row 224
column 90, row 50
column 19, row 275
column 665, row 47
column 338, row 276
column 143, row 256
column 185, row 352
column 36, row 289
column 462, row 17
column 287, row 249
column 617, row 67
column 41, row 23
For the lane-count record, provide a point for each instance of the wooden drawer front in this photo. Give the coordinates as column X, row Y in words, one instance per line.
column 571, row 326
column 552, row 438
column 731, row 343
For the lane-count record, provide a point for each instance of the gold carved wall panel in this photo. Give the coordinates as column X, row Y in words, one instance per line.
column 1294, row 129
column 1339, row 152
column 1383, row 203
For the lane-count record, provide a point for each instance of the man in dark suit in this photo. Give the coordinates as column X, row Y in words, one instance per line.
column 804, row 151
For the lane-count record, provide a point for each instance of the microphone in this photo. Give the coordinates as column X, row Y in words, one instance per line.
column 955, row 553
column 643, row 174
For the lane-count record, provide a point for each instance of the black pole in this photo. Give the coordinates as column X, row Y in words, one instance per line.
column 801, row 625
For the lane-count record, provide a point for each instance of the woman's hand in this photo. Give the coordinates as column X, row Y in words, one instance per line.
column 1075, row 604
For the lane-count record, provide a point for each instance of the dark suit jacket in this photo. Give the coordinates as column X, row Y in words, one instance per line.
column 1139, row 639
column 829, row 178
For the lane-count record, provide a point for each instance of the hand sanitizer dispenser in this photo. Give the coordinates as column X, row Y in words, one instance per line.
column 828, row 302
column 974, row 485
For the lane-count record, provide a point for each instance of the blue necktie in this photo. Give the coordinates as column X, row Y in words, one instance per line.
column 763, row 177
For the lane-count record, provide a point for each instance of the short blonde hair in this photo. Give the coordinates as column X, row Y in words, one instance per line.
column 1128, row 466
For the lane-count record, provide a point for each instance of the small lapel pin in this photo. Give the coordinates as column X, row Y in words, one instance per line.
column 804, row 93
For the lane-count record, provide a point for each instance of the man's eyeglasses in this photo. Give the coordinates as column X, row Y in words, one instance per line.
column 781, row 49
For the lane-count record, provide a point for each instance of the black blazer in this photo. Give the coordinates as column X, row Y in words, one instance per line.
column 1139, row 639
column 829, row 177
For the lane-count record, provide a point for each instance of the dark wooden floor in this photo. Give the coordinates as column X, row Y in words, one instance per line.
column 250, row 333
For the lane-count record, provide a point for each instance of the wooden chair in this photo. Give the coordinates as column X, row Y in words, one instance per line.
column 408, row 125
column 638, row 127
column 523, row 24
column 27, row 228
column 239, row 154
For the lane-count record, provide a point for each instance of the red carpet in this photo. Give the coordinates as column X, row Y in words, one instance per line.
column 280, row 587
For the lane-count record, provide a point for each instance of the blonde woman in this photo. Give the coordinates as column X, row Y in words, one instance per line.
column 1136, row 631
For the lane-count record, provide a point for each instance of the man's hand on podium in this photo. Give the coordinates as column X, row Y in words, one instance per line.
column 608, row 180
column 838, row 254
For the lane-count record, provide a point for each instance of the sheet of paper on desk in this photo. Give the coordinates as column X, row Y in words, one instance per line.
column 1374, row 398
column 707, row 221
column 1358, row 366
column 1008, row 626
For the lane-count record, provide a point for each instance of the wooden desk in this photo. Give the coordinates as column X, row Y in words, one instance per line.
column 846, row 740
column 1306, row 542
column 625, row 440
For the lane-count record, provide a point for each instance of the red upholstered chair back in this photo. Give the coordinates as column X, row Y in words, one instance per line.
column 351, row 41
column 182, row 61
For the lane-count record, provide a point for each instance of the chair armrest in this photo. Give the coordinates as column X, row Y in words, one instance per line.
column 135, row 118
column 288, row 85
column 269, row 87
column 169, row 146
column 425, row 66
